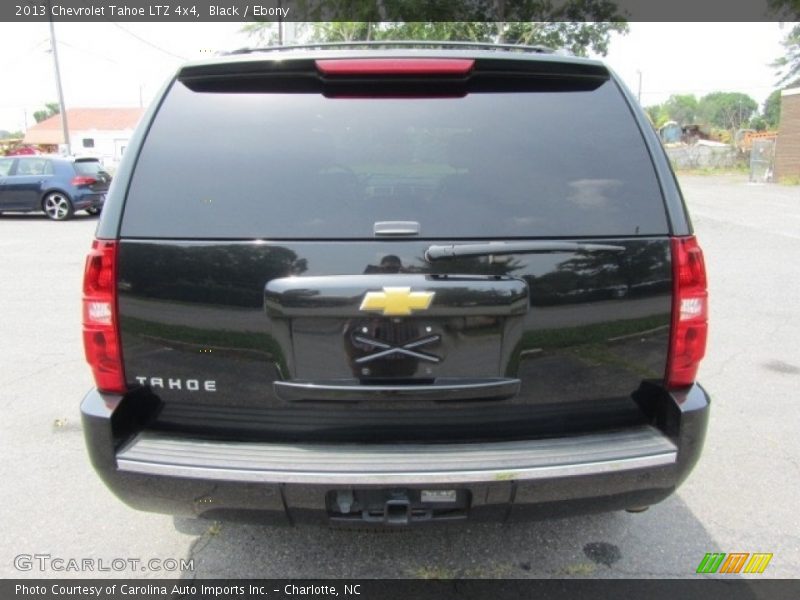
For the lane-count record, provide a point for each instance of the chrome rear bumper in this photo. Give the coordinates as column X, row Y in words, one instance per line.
column 397, row 464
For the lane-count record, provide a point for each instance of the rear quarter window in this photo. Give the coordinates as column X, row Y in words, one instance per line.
column 34, row 166
column 486, row 165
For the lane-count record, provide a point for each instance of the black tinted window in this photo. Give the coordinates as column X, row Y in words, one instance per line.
column 225, row 165
column 88, row 167
column 33, row 166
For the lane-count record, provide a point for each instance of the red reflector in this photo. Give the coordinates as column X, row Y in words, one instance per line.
column 395, row 66
column 689, row 329
column 83, row 180
column 100, row 332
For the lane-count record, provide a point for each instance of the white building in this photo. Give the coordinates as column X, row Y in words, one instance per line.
column 100, row 132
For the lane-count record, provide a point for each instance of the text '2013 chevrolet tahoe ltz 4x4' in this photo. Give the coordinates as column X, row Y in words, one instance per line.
column 394, row 285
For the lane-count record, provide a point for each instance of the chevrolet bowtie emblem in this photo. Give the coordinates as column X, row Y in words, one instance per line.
column 396, row 301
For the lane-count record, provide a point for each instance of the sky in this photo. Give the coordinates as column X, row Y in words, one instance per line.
column 107, row 64
column 698, row 58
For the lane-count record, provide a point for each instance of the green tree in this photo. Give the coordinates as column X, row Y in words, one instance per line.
column 788, row 65
column 436, row 31
column 726, row 110
column 784, row 10
column 579, row 26
column 758, row 123
column 578, row 38
column 50, row 109
column 262, row 34
column 682, row 108
column 658, row 114
column 772, row 109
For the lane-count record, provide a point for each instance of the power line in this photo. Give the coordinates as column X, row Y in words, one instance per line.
column 721, row 88
column 84, row 50
column 138, row 37
column 144, row 41
column 15, row 59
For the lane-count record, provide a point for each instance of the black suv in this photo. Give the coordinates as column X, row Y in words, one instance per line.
column 391, row 285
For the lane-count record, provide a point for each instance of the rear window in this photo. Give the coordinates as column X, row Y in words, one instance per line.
column 5, row 166
column 88, row 167
column 486, row 165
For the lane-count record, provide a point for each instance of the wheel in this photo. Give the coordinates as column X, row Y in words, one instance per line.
column 93, row 210
column 57, row 206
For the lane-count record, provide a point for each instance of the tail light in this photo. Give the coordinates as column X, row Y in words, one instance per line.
column 395, row 66
column 100, row 325
column 689, row 329
column 83, row 180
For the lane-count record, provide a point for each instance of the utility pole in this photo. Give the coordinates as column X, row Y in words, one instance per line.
column 639, row 93
column 62, row 107
column 280, row 26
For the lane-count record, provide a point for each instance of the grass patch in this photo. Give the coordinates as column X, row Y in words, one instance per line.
column 433, row 573
column 579, row 570
column 595, row 354
column 596, row 333
column 222, row 340
column 215, row 528
column 491, row 571
column 589, row 342
column 713, row 171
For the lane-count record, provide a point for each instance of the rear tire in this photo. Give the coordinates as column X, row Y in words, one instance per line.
column 93, row 210
column 57, row 206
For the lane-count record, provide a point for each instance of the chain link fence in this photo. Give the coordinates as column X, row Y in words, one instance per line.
column 762, row 159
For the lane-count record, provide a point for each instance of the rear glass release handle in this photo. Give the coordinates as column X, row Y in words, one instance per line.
column 395, row 228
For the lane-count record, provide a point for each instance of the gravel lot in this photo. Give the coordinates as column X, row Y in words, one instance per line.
column 742, row 497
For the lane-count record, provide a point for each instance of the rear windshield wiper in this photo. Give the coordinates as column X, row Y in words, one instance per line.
column 437, row 252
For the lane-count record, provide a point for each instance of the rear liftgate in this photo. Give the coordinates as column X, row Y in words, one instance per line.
column 406, row 338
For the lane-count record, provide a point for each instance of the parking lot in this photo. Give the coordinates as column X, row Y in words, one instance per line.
column 742, row 497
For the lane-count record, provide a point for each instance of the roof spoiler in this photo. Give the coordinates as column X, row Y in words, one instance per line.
column 307, row 74
column 389, row 44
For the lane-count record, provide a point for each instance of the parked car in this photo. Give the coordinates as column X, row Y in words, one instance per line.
column 56, row 185
column 22, row 150
column 335, row 316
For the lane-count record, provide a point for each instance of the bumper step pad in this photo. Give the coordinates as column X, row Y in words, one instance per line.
column 397, row 464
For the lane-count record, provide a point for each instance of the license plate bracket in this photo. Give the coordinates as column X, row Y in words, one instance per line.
column 398, row 506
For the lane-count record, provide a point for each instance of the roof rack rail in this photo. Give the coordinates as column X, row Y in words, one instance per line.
column 398, row 44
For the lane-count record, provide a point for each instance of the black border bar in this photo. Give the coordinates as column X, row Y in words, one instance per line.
column 169, row 11
column 745, row 588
